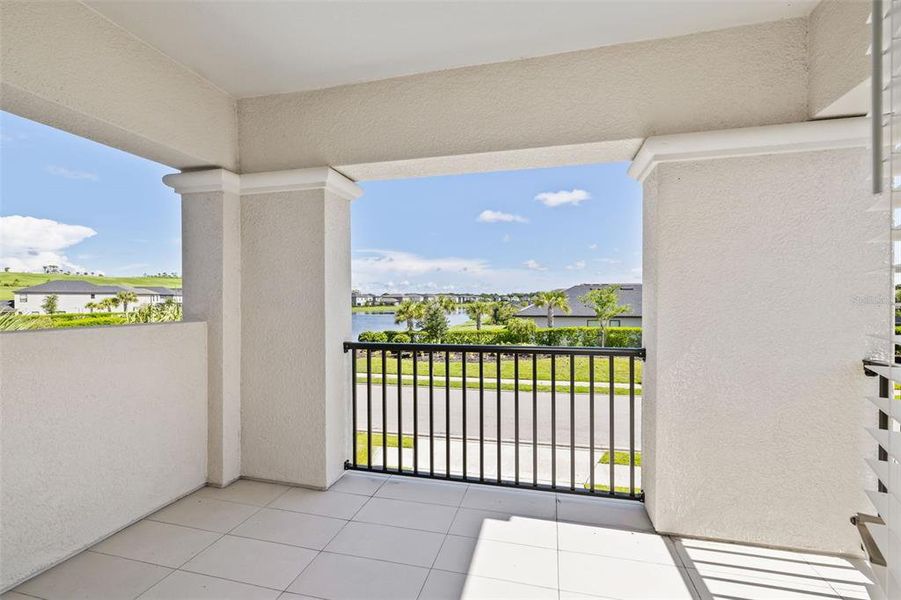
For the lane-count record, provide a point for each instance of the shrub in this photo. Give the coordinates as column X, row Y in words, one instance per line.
column 401, row 338
column 617, row 337
column 90, row 321
column 373, row 336
column 521, row 331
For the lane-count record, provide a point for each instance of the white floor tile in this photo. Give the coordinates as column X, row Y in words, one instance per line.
column 417, row 490
column 520, row 502
column 192, row 586
column 623, row 514
column 327, row 504
column 441, row 585
column 413, row 515
column 505, row 527
column 720, row 585
column 844, row 573
column 286, row 527
column 738, row 562
column 626, row 579
column 15, row 596
column 418, row 548
column 456, row 554
column 204, row 513
column 252, row 561
column 340, row 577
column 618, row 543
column 158, row 543
column 529, row 565
column 89, row 576
column 245, row 491
column 354, row 482
column 290, row 596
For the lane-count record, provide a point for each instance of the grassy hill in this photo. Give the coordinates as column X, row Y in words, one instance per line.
column 10, row 282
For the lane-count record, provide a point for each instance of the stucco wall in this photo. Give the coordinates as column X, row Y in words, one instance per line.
column 753, row 413
column 99, row 427
column 730, row 78
column 295, row 319
column 65, row 65
column 838, row 38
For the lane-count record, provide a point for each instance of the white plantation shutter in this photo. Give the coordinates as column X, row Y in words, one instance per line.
column 881, row 532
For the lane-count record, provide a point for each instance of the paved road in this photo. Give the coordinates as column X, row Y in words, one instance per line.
column 545, row 426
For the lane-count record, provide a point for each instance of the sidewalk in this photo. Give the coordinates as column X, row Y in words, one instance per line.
column 508, row 462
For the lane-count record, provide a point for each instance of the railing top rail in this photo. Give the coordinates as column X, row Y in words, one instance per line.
column 558, row 350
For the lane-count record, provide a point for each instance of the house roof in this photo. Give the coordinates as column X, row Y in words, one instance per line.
column 629, row 294
column 77, row 286
column 163, row 291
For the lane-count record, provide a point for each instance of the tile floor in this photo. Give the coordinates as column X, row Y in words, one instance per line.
column 396, row 538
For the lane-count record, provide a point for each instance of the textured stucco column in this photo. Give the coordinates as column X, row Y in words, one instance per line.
column 296, row 289
column 758, row 298
column 211, row 272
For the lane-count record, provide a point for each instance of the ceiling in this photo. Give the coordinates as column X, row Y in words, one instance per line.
column 260, row 48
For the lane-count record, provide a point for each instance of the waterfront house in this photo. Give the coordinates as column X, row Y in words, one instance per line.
column 629, row 295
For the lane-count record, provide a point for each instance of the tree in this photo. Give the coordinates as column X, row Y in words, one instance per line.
column 521, row 331
column 91, row 306
column 447, row 304
column 410, row 312
column 127, row 298
column 50, row 304
column 500, row 312
column 605, row 303
column 434, row 322
column 551, row 300
column 476, row 310
column 108, row 303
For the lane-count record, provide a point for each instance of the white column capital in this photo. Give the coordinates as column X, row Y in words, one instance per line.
column 808, row 136
column 220, row 180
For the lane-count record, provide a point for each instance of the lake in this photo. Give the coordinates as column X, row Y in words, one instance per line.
column 361, row 322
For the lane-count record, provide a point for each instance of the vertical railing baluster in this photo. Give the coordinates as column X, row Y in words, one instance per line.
column 516, row 418
column 612, row 414
column 431, row 415
column 534, row 419
column 447, row 420
column 632, row 426
column 369, row 409
column 498, row 416
column 400, row 413
column 463, row 389
column 353, row 392
column 554, row 421
column 592, row 464
column 415, row 412
column 481, row 417
column 385, row 412
column 572, row 422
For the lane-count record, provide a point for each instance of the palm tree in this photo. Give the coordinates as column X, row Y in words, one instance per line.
column 91, row 306
column 125, row 298
column 108, row 303
column 447, row 304
column 551, row 300
column 476, row 310
column 410, row 312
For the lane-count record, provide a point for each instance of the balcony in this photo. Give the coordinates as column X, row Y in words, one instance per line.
column 383, row 536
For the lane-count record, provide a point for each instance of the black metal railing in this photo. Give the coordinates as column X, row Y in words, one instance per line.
column 552, row 418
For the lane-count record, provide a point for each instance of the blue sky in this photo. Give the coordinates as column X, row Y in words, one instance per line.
column 70, row 201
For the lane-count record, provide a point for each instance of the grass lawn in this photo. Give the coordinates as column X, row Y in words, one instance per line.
column 374, row 309
column 620, row 458
column 10, row 282
column 601, row 368
column 508, row 387
column 363, row 449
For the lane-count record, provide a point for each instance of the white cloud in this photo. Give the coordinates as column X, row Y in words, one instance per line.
column 609, row 261
column 552, row 199
column 576, row 266
column 396, row 262
column 71, row 173
column 28, row 243
column 534, row 265
column 592, row 246
column 495, row 216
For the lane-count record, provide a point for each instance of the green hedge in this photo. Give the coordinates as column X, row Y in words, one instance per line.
column 90, row 321
column 617, row 337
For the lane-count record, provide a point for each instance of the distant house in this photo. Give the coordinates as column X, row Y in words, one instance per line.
column 165, row 293
column 581, row 315
column 73, row 294
column 360, row 299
